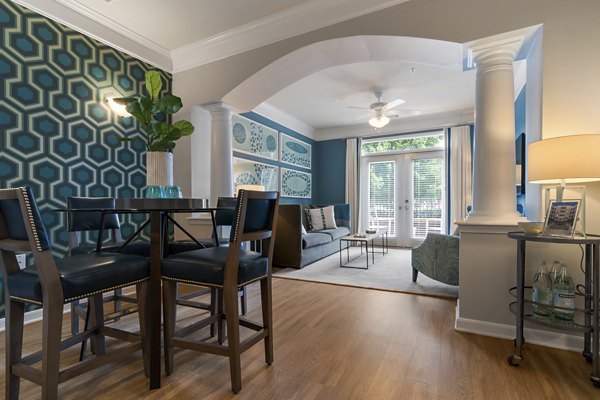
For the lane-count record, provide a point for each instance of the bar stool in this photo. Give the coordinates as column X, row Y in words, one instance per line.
column 227, row 269
column 52, row 283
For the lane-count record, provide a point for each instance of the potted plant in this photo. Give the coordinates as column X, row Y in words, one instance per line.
column 153, row 113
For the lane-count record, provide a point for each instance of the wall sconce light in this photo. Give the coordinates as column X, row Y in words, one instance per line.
column 118, row 109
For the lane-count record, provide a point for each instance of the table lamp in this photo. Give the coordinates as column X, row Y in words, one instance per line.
column 563, row 160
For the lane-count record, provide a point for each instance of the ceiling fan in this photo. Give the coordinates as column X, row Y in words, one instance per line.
column 379, row 111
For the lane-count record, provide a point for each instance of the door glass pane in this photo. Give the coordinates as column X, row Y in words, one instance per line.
column 382, row 189
column 428, row 174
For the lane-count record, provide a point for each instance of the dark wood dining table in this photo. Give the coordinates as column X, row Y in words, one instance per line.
column 159, row 211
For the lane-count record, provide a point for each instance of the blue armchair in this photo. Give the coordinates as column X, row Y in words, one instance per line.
column 437, row 258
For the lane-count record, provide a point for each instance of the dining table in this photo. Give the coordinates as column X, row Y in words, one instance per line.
column 159, row 211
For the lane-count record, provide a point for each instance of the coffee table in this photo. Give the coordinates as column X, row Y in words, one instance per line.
column 368, row 240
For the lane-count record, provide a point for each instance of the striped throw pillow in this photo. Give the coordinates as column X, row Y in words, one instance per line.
column 320, row 218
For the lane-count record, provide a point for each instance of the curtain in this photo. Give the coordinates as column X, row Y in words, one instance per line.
column 353, row 181
column 461, row 174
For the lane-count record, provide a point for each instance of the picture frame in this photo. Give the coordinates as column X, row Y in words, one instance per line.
column 253, row 138
column 250, row 172
column 294, row 151
column 295, row 183
column 561, row 218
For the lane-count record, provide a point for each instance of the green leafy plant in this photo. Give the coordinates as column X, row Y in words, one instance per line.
column 152, row 112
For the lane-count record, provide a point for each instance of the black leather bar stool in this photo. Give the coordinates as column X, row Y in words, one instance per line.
column 96, row 223
column 51, row 283
column 227, row 269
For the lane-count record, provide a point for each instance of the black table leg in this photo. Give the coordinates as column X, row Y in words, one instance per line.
column 154, row 313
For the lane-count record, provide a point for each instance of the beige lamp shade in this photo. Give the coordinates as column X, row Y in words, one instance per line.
column 571, row 159
column 258, row 188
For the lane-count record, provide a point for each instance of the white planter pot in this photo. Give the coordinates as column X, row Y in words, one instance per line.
column 159, row 168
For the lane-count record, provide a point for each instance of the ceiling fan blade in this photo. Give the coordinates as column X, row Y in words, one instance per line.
column 404, row 113
column 393, row 104
column 358, row 108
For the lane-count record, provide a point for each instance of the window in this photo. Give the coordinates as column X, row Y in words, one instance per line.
column 404, row 143
column 427, row 192
column 382, row 196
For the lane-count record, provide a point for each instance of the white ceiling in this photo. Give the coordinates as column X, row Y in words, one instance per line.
column 187, row 33
column 325, row 99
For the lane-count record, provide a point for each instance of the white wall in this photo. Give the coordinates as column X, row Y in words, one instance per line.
column 564, row 87
column 571, row 81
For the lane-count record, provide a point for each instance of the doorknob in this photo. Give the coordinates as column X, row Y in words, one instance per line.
column 406, row 204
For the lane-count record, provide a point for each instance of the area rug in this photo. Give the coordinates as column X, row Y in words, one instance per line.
column 392, row 272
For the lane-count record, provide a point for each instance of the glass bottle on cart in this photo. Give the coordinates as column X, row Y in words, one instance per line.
column 542, row 291
column 563, row 290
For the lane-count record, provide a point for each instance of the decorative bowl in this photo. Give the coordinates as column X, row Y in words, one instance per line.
column 531, row 228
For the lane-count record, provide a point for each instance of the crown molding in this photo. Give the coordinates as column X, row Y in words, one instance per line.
column 78, row 17
column 294, row 21
column 268, row 111
column 112, row 25
column 400, row 125
column 514, row 45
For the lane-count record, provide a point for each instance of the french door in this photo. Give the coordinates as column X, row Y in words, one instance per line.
column 404, row 193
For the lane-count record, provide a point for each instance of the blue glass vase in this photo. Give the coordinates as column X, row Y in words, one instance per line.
column 173, row 192
column 154, row 192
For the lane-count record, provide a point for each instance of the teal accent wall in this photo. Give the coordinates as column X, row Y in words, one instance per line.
column 58, row 134
column 281, row 128
column 330, row 173
column 520, row 112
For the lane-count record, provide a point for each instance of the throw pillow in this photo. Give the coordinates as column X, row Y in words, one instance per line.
column 320, row 218
column 303, row 230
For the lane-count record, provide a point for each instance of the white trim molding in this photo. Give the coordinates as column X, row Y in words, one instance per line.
column 291, row 22
column 533, row 336
column 74, row 15
column 268, row 111
column 303, row 18
column 400, row 125
column 33, row 316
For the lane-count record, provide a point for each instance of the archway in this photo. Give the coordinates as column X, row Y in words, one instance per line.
column 331, row 53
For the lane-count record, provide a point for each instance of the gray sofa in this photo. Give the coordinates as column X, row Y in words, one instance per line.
column 293, row 249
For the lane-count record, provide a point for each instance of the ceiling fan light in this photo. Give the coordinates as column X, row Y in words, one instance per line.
column 379, row 121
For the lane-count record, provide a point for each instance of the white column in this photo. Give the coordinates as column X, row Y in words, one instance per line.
column 221, row 157
column 494, row 181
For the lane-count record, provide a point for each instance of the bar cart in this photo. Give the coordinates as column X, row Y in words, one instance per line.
column 591, row 311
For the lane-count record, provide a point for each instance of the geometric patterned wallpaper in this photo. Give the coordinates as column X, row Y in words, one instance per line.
column 57, row 133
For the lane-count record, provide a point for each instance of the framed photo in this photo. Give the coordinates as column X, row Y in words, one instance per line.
column 561, row 218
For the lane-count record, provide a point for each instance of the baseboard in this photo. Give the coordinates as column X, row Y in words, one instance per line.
column 34, row 316
column 503, row 331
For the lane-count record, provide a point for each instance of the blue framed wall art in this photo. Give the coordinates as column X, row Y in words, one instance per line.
column 295, row 152
column 250, row 137
column 248, row 172
column 295, row 183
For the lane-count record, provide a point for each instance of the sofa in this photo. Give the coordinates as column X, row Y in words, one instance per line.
column 295, row 249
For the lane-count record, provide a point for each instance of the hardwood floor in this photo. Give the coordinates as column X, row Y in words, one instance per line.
column 334, row 342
